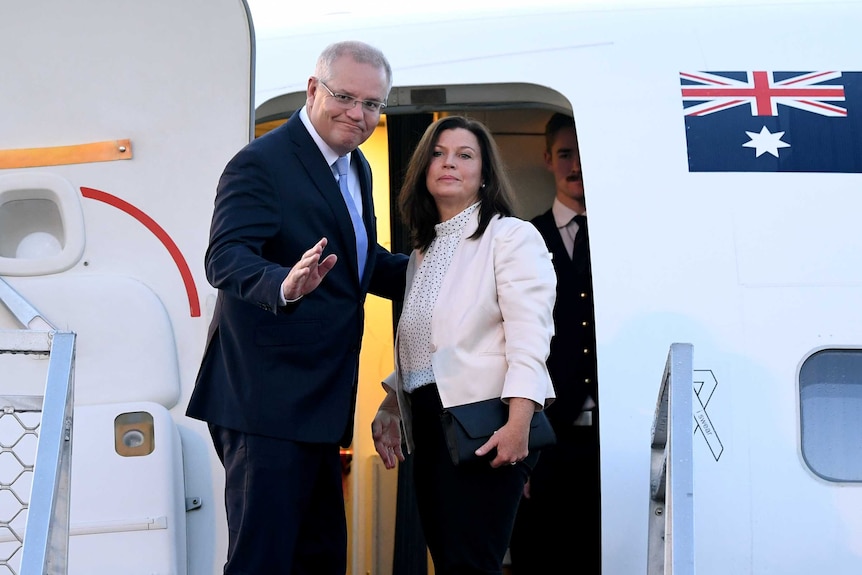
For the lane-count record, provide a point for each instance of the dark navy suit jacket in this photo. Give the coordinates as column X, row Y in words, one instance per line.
column 287, row 372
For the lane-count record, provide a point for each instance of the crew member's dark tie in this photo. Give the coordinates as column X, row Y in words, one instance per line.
column 581, row 249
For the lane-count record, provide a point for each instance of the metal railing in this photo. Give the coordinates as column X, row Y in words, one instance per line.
column 671, row 505
column 44, row 545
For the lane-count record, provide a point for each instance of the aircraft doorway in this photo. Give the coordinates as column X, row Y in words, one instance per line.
column 385, row 536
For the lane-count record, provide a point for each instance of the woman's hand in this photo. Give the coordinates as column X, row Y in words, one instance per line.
column 386, row 431
column 512, row 440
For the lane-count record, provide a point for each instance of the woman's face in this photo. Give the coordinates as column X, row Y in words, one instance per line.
column 455, row 172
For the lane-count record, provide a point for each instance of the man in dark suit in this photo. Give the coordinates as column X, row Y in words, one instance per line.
column 293, row 255
column 559, row 519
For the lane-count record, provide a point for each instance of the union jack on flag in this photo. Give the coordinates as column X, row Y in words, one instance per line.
column 773, row 121
column 762, row 92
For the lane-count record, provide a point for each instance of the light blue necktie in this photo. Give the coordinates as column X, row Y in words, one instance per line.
column 341, row 165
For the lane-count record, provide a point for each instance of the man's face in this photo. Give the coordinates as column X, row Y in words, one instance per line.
column 345, row 128
column 564, row 162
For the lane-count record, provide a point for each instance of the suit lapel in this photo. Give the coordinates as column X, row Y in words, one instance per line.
column 368, row 219
column 321, row 176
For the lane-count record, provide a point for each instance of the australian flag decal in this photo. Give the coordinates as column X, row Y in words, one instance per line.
column 773, row 121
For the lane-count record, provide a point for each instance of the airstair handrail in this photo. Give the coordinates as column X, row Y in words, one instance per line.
column 27, row 315
column 46, row 537
column 46, row 534
column 671, row 505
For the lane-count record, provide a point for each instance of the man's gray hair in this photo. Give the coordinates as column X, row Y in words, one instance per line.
column 359, row 51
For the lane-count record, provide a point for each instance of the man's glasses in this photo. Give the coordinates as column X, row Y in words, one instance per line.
column 349, row 102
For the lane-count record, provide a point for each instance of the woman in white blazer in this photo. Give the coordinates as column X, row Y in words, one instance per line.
column 476, row 324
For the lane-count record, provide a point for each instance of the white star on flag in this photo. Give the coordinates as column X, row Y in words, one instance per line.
column 765, row 141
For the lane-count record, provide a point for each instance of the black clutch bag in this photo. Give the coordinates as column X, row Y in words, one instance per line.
column 467, row 427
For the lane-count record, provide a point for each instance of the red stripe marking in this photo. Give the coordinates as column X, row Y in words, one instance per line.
column 159, row 232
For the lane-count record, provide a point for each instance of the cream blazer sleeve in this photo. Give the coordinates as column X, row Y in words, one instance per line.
column 493, row 320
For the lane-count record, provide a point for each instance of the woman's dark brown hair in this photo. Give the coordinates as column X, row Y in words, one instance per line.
column 418, row 210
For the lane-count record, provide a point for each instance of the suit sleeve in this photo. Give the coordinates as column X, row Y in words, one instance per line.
column 246, row 217
column 388, row 280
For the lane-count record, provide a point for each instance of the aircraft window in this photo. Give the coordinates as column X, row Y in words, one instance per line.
column 830, row 389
